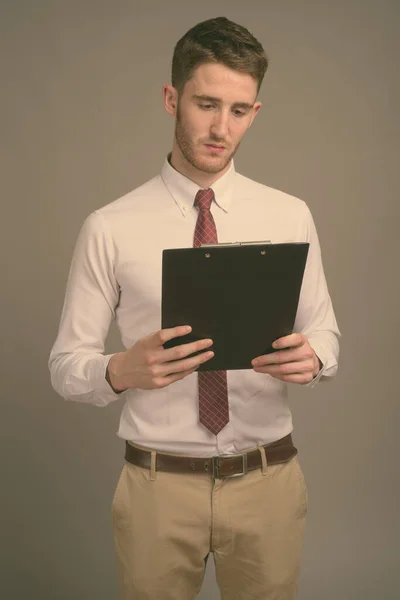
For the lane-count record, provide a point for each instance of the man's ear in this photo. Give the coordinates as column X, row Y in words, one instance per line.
column 170, row 96
column 256, row 109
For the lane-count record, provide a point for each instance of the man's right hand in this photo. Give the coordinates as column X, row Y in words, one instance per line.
column 147, row 365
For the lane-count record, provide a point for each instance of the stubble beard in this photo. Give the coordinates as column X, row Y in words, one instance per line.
column 188, row 150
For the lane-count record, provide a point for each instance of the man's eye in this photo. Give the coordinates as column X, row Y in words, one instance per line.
column 206, row 106
column 239, row 113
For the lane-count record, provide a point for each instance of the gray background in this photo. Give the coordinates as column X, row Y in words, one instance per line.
column 82, row 124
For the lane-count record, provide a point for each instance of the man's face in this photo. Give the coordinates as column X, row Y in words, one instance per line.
column 214, row 111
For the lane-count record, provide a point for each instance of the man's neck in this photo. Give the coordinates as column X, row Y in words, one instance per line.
column 202, row 179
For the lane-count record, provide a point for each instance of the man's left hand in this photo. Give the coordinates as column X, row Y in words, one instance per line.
column 294, row 362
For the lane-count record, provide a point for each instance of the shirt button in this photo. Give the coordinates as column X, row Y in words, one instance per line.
column 184, row 207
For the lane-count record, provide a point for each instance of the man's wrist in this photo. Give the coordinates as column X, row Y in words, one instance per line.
column 111, row 374
column 318, row 365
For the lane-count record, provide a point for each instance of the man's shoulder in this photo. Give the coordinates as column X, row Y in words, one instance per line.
column 137, row 198
column 266, row 195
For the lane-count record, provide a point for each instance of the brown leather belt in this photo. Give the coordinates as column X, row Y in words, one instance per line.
column 219, row 467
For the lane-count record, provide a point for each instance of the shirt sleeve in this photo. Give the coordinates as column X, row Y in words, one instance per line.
column 77, row 362
column 315, row 316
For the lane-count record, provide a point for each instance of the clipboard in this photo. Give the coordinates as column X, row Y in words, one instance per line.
column 241, row 295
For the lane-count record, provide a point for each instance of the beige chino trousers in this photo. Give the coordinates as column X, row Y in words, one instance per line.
column 166, row 524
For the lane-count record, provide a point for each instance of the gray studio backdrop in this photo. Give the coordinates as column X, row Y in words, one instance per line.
column 82, row 124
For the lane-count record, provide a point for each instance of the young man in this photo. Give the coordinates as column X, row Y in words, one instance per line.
column 210, row 463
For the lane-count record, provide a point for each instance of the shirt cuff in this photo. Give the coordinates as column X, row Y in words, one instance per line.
column 103, row 392
column 318, row 376
column 328, row 361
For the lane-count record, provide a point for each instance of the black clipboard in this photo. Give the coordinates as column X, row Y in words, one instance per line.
column 243, row 296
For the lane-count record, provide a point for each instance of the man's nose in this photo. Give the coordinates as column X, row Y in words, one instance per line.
column 219, row 127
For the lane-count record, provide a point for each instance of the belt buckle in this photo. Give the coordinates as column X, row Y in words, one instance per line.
column 216, row 473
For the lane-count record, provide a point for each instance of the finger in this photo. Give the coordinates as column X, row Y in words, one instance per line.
column 284, row 356
column 164, row 335
column 286, row 369
column 292, row 340
column 183, row 350
column 178, row 366
column 164, row 381
column 302, row 378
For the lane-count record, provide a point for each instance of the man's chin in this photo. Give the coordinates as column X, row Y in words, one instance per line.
column 211, row 165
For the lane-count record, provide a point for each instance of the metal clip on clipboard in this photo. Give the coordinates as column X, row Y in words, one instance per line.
column 231, row 244
column 235, row 244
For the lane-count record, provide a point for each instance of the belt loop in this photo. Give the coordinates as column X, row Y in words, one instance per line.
column 153, row 465
column 264, row 463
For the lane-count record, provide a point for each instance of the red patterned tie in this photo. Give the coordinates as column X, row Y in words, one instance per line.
column 213, row 389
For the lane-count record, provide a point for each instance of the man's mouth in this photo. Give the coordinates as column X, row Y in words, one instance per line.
column 215, row 147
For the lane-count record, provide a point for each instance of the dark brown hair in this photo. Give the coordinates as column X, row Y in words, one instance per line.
column 218, row 41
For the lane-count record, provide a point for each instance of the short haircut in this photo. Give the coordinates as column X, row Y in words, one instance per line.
column 218, row 41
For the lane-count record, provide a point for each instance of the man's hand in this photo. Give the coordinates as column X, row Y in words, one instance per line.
column 294, row 362
column 147, row 365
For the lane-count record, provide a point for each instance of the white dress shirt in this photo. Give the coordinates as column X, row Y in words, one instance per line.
column 116, row 273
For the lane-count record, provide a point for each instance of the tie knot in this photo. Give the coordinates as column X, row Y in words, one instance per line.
column 203, row 199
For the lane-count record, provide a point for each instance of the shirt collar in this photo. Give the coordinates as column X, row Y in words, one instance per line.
column 184, row 190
